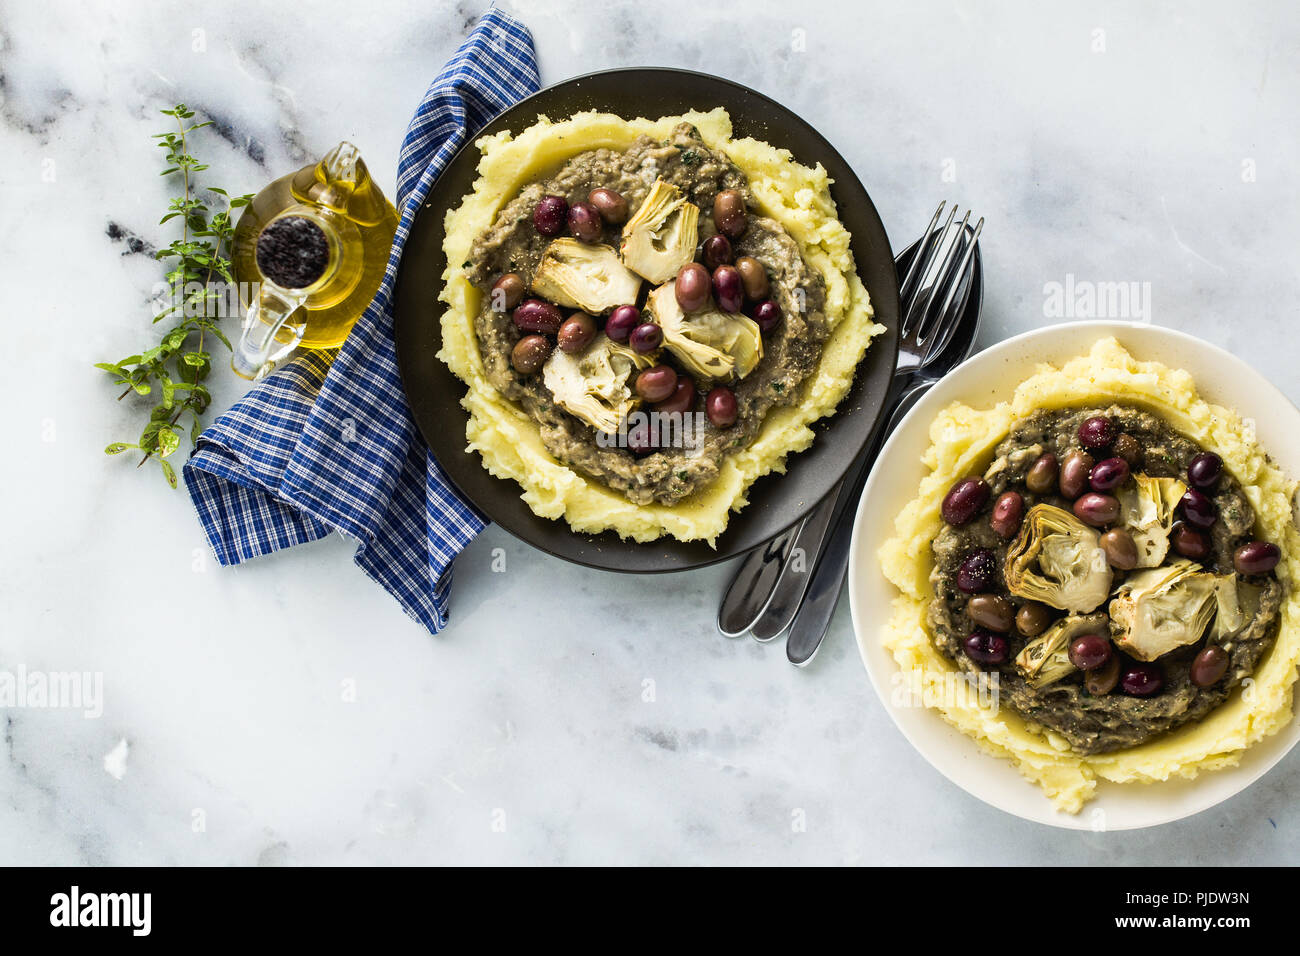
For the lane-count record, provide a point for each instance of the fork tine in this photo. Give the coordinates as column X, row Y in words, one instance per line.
column 914, row 271
column 950, row 316
column 943, row 278
column 917, row 307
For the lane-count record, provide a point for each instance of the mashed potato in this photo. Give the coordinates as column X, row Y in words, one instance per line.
column 508, row 440
column 963, row 440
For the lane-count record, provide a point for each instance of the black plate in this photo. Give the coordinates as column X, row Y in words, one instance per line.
column 776, row 501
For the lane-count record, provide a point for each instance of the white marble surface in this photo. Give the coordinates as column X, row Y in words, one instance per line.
column 229, row 685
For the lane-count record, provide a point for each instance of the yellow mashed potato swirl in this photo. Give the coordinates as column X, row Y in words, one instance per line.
column 962, row 442
column 796, row 196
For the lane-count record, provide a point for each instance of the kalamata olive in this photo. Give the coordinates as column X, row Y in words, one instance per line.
column 964, row 501
column 1121, row 550
column 621, row 322
column 682, row 400
column 1128, row 448
column 1257, row 557
column 1041, row 477
column 1198, row 510
column 1209, row 666
column 729, row 213
column 1008, row 511
column 754, row 277
column 716, row 251
column 641, row 438
column 1142, row 680
column 767, row 314
column 1188, row 542
column 656, row 383
column 534, row 315
column 610, row 204
column 693, row 287
column 1108, row 474
column 991, row 611
column 728, row 289
column 584, row 221
column 720, row 406
column 646, row 337
column 507, row 292
column 986, row 648
column 1204, row 470
column 1089, row 651
column 1097, row 509
column 576, row 333
column 550, row 215
column 1074, row 474
column 1033, row 618
column 530, row 353
column 978, row 572
column 1097, row 432
column 1102, row 680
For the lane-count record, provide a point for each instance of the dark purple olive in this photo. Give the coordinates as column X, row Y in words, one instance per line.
column 964, row 501
column 535, row 315
column 1102, row 680
column 991, row 612
column 720, row 406
column 1042, row 474
column 682, row 400
column 1142, row 680
column 530, row 353
column 716, row 251
column 1128, row 448
column 1198, row 510
column 693, row 287
column 767, row 314
column 507, row 292
column 1089, row 651
column 754, row 277
column 1204, row 470
column 1096, row 509
column 610, row 204
column 584, row 221
column 1257, row 557
column 656, row 383
column 728, row 288
column 1097, row 432
column 576, row 333
column 646, row 337
column 1209, row 666
column 1108, row 474
column 1188, row 542
column 978, row 573
column 621, row 322
column 1074, row 474
column 1120, row 548
column 729, row 213
column 1008, row 512
column 550, row 215
column 641, row 438
column 987, row 648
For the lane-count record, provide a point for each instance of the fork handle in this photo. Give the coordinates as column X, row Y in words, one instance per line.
column 813, row 616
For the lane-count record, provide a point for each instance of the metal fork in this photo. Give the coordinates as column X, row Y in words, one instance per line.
column 937, row 272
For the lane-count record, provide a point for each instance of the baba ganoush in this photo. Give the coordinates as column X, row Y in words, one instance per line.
column 661, row 316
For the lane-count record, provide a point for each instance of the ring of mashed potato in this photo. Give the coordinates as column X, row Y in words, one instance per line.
column 962, row 442
column 509, row 442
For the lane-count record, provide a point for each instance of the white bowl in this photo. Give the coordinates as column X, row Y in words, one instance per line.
column 983, row 380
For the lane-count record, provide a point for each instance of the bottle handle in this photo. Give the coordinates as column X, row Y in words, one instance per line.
column 263, row 340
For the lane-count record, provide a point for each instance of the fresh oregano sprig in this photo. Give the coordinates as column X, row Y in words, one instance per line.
column 175, row 369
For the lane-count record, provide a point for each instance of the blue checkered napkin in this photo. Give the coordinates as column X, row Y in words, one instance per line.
column 320, row 447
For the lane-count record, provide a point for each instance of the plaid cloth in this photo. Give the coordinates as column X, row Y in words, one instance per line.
column 321, row 445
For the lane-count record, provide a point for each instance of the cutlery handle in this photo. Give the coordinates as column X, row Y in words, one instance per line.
column 792, row 584
column 752, row 586
column 823, row 590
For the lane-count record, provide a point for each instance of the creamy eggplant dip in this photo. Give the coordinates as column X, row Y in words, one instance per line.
column 1107, row 569
column 636, row 281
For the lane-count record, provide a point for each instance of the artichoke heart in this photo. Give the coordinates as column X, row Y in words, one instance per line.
column 593, row 385
column 710, row 343
column 1046, row 659
column 583, row 275
column 1160, row 609
column 1147, row 512
column 661, row 237
column 1058, row 560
